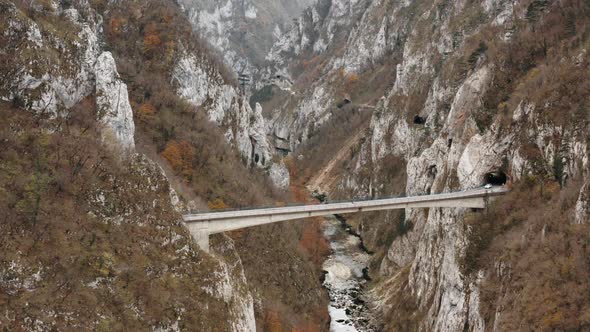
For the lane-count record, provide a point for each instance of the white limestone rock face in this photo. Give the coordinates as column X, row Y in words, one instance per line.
column 255, row 132
column 313, row 33
column 316, row 30
column 112, row 103
column 467, row 100
column 43, row 85
column 193, row 80
column 230, row 25
column 232, row 287
column 352, row 34
column 224, row 279
column 553, row 141
column 201, row 84
column 450, row 148
column 481, row 155
column 293, row 126
column 54, row 67
column 279, row 174
column 245, row 128
column 582, row 215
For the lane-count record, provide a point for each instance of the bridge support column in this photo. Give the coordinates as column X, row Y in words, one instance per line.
column 202, row 240
column 200, row 233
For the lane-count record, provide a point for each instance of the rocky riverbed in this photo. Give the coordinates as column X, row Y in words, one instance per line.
column 345, row 279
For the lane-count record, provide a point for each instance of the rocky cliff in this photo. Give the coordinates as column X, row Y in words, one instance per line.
column 460, row 92
column 92, row 238
column 242, row 31
column 204, row 87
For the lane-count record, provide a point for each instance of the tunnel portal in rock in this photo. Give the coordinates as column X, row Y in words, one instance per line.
column 343, row 103
column 419, row 120
column 496, row 178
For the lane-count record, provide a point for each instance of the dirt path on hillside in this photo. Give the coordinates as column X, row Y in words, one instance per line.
column 324, row 179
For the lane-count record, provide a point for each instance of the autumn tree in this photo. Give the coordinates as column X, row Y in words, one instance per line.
column 314, row 242
column 272, row 322
column 146, row 111
column 179, row 155
column 151, row 39
column 116, row 26
column 217, row 204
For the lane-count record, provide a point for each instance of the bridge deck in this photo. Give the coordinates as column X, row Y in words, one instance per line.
column 432, row 198
column 204, row 224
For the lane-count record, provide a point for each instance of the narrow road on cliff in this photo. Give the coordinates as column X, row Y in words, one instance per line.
column 323, row 178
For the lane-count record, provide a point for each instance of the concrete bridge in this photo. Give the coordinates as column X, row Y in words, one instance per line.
column 201, row 225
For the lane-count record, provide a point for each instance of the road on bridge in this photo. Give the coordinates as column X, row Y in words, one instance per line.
column 202, row 225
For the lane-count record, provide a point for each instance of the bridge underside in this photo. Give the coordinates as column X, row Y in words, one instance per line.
column 201, row 226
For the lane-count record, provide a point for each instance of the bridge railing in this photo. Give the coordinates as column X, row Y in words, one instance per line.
column 358, row 199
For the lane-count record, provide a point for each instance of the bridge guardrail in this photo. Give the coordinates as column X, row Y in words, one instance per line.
column 361, row 199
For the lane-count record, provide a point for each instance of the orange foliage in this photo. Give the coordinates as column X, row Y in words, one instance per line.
column 115, row 27
column 352, row 78
column 308, row 327
column 238, row 234
column 313, row 241
column 151, row 39
column 147, row 109
column 167, row 16
column 272, row 322
column 217, row 204
column 307, row 64
column 179, row 155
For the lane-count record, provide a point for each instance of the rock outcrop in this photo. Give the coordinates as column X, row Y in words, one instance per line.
column 32, row 76
column 203, row 86
column 583, row 205
column 242, row 31
column 112, row 102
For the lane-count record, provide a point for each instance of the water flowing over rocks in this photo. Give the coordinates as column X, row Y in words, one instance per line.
column 345, row 279
column 431, row 61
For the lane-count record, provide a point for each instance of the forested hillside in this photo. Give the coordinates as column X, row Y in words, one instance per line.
column 96, row 128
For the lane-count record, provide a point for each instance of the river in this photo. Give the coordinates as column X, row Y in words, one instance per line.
column 346, row 278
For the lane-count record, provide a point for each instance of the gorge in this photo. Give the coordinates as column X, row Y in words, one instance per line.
column 119, row 117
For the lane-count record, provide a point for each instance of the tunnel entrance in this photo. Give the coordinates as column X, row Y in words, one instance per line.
column 496, row 178
column 343, row 103
column 419, row 120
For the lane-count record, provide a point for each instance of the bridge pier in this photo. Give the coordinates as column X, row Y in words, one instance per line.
column 200, row 233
